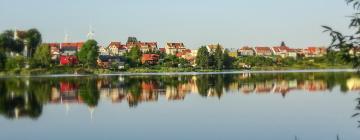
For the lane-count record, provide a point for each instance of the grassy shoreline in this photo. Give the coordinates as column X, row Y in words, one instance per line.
column 80, row 70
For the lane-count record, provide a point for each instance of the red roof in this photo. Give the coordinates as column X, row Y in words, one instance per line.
column 78, row 45
column 246, row 49
column 162, row 49
column 149, row 57
column 176, row 45
column 263, row 49
column 117, row 44
column 281, row 49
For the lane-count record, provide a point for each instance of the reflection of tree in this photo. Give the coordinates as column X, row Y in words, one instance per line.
column 202, row 83
column 20, row 97
column 89, row 93
column 358, row 109
column 20, row 106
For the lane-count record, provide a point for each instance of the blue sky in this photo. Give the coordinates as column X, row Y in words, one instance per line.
column 233, row 23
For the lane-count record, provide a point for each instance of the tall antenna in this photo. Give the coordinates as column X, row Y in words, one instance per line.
column 66, row 37
column 91, row 33
column 15, row 33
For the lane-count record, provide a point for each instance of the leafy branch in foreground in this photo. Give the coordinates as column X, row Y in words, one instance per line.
column 349, row 45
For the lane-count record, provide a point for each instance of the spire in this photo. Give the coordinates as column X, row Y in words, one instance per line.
column 91, row 110
column 66, row 37
column 15, row 34
column 91, row 33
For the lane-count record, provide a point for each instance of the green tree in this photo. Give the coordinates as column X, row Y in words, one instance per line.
column 89, row 92
column 228, row 61
column 89, row 53
column 16, row 62
column 2, row 60
column 9, row 44
column 219, row 58
column 202, row 58
column 134, row 56
column 42, row 56
column 348, row 43
column 132, row 40
column 33, row 40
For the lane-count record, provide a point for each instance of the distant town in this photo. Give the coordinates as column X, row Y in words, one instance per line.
column 136, row 54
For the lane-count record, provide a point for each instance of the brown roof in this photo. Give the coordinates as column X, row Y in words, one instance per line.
column 176, row 45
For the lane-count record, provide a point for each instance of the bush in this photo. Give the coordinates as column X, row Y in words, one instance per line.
column 16, row 62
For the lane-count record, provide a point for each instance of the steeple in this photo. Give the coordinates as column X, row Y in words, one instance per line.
column 91, row 33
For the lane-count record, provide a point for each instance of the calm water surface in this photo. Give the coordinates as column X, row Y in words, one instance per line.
column 248, row 106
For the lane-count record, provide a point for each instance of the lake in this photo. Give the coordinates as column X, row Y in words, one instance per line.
column 304, row 105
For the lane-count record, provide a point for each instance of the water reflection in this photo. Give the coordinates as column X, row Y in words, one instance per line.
column 25, row 97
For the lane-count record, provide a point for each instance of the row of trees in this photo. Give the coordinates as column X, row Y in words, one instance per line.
column 214, row 60
column 13, row 44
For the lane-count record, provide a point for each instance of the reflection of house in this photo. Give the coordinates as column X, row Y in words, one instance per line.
column 68, row 92
column 173, row 93
column 265, row 87
column 353, row 84
column 314, row 85
column 247, row 88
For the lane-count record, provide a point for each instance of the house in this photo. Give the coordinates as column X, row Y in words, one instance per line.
column 355, row 51
column 148, row 47
column 263, row 51
column 117, row 49
column 281, row 51
column 68, row 56
column 64, row 51
column 77, row 45
column 212, row 48
column 315, row 51
column 162, row 50
column 150, row 59
column 104, row 51
column 145, row 47
column 246, row 51
column 107, row 62
column 233, row 53
column 174, row 48
column 284, row 51
column 54, row 51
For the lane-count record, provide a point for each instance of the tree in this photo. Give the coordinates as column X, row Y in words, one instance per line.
column 228, row 61
column 89, row 53
column 7, row 41
column 134, row 56
column 283, row 43
column 132, row 40
column 42, row 56
column 348, row 43
column 33, row 40
column 202, row 58
column 16, row 62
column 2, row 60
column 219, row 57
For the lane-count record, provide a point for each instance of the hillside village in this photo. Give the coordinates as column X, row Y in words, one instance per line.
column 22, row 52
column 65, row 53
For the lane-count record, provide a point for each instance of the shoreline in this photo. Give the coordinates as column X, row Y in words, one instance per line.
column 181, row 73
